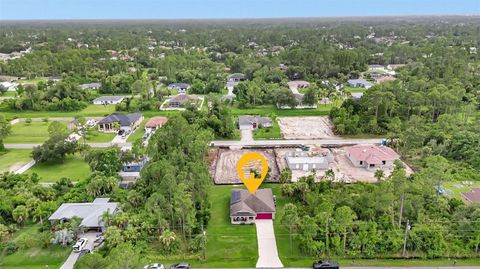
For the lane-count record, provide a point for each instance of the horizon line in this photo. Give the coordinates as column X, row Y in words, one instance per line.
column 246, row 18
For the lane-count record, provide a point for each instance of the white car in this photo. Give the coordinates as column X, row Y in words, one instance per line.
column 153, row 266
column 78, row 247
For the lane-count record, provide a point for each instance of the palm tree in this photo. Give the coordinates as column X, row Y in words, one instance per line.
column 20, row 214
column 168, row 239
column 116, row 125
column 379, row 174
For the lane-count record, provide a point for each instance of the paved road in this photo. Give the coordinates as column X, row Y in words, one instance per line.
column 267, row 245
column 93, row 145
column 253, row 143
column 270, row 143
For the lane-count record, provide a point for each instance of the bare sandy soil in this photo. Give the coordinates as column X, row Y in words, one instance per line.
column 344, row 169
column 341, row 166
column 224, row 162
column 226, row 165
column 306, row 127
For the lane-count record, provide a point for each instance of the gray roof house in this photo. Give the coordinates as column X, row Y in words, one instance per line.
column 108, row 100
column 301, row 160
column 180, row 87
column 359, row 83
column 91, row 86
column 127, row 122
column 182, row 99
column 236, row 77
column 247, row 122
column 245, row 207
column 89, row 213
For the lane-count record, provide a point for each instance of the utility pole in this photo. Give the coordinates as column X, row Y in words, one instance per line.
column 407, row 228
column 204, row 238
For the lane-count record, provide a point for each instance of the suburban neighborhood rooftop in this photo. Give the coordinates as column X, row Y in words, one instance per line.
column 90, row 213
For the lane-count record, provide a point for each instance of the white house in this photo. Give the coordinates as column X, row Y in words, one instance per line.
column 108, row 100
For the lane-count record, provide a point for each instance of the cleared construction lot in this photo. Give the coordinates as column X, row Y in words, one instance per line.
column 224, row 165
column 306, row 127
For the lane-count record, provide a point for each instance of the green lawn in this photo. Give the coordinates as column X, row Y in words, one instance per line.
column 9, row 94
column 94, row 136
column 351, row 89
column 14, row 158
column 268, row 133
column 139, row 132
column 34, row 257
column 268, row 110
column 89, row 111
column 74, row 168
column 97, row 110
column 455, row 188
column 228, row 245
column 34, row 133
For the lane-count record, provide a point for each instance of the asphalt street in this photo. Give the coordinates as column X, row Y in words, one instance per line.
column 283, row 142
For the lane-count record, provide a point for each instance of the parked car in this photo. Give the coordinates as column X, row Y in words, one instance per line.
column 182, row 265
column 153, row 266
column 80, row 244
column 91, row 123
column 121, row 132
column 325, row 265
column 84, row 251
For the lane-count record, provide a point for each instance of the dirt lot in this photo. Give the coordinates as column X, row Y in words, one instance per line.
column 306, row 127
column 224, row 169
column 344, row 169
column 224, row 163
column 341, row 166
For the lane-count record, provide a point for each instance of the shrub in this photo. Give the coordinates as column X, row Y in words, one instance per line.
column 10, row 248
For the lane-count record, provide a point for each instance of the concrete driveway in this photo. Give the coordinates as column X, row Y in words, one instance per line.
column 246, row 135
column 267, row 245
column 72, row 259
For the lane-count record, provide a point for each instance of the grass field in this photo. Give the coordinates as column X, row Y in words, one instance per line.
column 454, row 189
column 228, row 245
column 322, row 110
column 34, row 133
column 74, row 168
column 268, row 133
column 95, row 136
column 89, row 111
column 139, row 132
column 35, row 257
column 14, row 157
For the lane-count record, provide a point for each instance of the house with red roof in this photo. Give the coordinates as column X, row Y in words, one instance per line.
column 154, row 123
column 471, row 197
column 371, row 157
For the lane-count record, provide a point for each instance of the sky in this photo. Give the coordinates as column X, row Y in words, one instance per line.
column 193, row 9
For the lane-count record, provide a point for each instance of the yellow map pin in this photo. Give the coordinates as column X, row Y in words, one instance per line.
column 252, row 168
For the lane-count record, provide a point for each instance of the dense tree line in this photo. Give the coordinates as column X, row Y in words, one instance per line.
column 369, row 220
column 61, row 96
